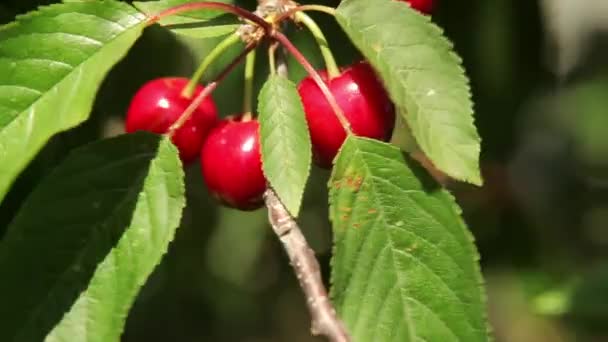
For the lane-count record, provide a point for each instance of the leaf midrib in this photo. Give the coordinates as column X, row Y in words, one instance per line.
column 287, row 117
column 284, row 130
column 381, row 217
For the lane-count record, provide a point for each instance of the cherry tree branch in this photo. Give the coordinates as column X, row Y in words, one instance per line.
column 325, row 321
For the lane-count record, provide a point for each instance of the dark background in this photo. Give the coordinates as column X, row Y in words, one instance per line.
column 540, row 85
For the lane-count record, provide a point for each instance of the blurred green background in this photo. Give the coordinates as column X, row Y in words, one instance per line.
column 539, row 73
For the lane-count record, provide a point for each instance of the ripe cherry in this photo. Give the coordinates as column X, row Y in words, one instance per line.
column 159, row 103
column 424, row 6
column 231, row 163
column 364, row 102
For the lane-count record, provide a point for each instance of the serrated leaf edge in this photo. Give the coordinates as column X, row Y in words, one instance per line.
column 456, row 210
column 476, row 177
column 294, row 211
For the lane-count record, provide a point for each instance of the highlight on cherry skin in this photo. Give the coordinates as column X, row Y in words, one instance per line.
column 365, row 104
column 159, row 103
column 231, row 163
column 424, row 6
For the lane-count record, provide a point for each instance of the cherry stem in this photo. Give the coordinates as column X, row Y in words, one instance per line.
column 272, row 64
column 248, row 89
column 328, row 57
column 210, row 58
column 316, row 78
column 247, row 116
column 187, row 113
column 303, row 8
column 193, row 6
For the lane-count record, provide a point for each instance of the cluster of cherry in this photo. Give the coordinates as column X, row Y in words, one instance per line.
column 229, row 149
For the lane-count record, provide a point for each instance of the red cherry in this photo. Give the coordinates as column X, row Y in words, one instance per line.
column 364, row 102
column 424, row 6
column 159, row 103
column 231, row 163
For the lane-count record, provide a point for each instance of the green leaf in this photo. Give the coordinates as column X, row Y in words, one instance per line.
column 424, row 78
column 285, row 142
column 52, row 62
column 196, row 24
column 216, row 27
column 404, row 266
column 155, row 7
column 89, row 234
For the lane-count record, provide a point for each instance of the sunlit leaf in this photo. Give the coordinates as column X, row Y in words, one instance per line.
column 52, row 62
column 285, row 141
column 404, row 267
column 196, row 24
column 424, row 78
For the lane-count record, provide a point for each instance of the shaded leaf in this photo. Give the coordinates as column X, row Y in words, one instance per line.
column 99, row 223
column 216, row 27
column 424, row 78
column 196, row 24
column 404, row 266
column 285, row 141
column 52, row 62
